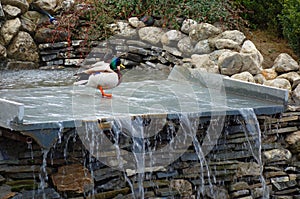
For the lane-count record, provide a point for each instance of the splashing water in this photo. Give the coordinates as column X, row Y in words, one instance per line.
column 251, row 128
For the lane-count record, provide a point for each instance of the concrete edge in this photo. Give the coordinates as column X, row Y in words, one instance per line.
column 10, row 112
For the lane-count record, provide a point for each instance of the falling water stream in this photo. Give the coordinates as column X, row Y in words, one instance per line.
column 146, row 153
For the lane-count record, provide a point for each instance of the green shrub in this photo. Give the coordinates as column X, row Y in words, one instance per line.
column 290, row 20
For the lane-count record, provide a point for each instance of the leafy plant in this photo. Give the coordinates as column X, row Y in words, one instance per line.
column 290, row 20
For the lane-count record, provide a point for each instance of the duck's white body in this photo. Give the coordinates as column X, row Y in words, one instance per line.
column 100, row 75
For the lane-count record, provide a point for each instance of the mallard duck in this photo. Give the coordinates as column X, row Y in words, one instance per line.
column 102, row 76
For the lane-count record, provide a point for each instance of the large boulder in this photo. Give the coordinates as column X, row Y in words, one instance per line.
column 252, row 58
column 230, row 63
column 9, row 30
column 233, row 35
column 185, row 46
column 285, row 63
column 279, row 83
column 23, row 48
column 202, row 47
column 244, row 76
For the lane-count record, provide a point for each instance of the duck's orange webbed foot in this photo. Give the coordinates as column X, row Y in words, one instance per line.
column 104, row 94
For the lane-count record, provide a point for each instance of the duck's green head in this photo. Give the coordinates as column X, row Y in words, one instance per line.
column 116, row 63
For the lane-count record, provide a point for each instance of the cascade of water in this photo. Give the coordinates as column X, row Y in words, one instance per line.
column 251, row 128
column 43, row 176
column 59, row 133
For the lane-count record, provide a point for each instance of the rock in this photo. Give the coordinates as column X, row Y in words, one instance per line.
column 73, row 178
column 230, row 63
column 277, row 155
column 248, row 169
column 294, row 141
column 212, row 192
column 47, row 5
column 23, row 48
column 203, row 31
column 204, row 62
column 233, row 35
column 3, row 53
column 269, row 73
column 244, row 76
column 187, row 25
column 21, row 4
column 47, row 35
column 239, row 186
column 136, row 23
column 285, row 63
column 202, row 47
column 185, row 46
column 226, row 44
column 172, row 50
column 5, row 192
column 296, row 95
column 21, row 65
column 11, row 11
column 259, row 79
column 125, row 30
column 9, row 30
column 183, row 187
column 279, row 83
column 293, row 77
column 171, row 38
column 30, row 21
column 252, row 58
column 2, row 15
column 151, row 34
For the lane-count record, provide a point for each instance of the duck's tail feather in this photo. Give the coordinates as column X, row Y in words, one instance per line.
column 81, row 78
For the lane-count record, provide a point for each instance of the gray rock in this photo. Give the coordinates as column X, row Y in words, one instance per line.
column 11, row 11
column 230, row 63
column 125, row 30
column 183, row 187
column 233, row 35
column 259, row 79
column 293, row 77
column 244, row 76
column 9, row 30
column 185, row 46
column 279, row 83
column 202, row 47
column 22, row 4
column 187, row 25
column 293, row 140
column 226, row 44
column 172, row 50
column 285, row 63
column 251, row 63
column 171, row 38
column 215, row 192
column 205, row 63
column 203, row 31
column 23, row 48
column 151, row 34
column 296, row 95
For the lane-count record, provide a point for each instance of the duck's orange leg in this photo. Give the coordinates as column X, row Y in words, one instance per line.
column 104, row 94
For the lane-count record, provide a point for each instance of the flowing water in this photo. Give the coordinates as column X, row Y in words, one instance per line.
column 146, row 154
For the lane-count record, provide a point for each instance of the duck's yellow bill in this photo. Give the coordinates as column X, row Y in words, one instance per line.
column 122, row 66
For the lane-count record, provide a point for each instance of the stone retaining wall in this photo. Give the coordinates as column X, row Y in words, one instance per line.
column 230, row 170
